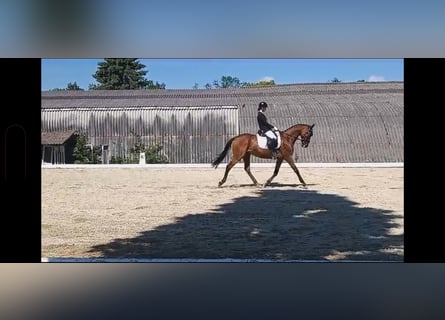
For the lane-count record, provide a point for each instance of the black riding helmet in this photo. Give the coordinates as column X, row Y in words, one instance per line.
column 262, row 105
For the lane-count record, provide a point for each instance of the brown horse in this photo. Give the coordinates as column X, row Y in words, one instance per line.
column 246, row 144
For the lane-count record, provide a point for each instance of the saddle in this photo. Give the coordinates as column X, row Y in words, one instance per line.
column 264, row 141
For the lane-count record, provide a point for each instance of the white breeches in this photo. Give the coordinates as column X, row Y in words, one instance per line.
column 270, row 134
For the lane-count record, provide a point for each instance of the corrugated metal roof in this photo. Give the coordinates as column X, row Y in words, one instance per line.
column 280, row 94
column 56, row 138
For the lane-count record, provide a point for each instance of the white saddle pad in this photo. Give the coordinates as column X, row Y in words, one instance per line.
column 262, row 141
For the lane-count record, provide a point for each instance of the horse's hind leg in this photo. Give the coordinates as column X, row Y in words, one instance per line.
column 246, row 160
column 277, row 168
column 229, row 166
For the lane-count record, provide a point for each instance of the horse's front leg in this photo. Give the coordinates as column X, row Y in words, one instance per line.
column 294, row 167
column 275, row 173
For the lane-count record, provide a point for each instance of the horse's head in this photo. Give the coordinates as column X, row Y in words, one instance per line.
column 306, row 134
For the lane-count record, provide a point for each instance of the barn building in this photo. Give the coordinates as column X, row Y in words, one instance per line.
column 58, row 147
column 354, row 122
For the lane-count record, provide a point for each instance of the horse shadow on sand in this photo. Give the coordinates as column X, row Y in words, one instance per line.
column 277, row 224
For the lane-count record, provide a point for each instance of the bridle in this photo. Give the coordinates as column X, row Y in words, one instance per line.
column 306, row 138
column 296, row 137
column 303, row 138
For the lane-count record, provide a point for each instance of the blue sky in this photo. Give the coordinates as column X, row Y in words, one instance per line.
column 222, row 29
column 184, row 73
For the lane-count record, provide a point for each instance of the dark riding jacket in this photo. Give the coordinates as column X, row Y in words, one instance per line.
column 262, row 122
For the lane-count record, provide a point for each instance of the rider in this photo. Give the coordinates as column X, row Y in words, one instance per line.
column 267, row 129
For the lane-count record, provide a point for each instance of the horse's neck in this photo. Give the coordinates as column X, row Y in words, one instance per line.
column 294, row 131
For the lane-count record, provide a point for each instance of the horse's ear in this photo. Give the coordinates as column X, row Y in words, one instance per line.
column 312, row 125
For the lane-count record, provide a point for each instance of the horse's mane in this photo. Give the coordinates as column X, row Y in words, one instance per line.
column 298, row 124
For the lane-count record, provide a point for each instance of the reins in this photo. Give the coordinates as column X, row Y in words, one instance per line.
column 295, row 137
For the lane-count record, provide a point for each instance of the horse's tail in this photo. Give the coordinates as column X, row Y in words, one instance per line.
column 222, row 155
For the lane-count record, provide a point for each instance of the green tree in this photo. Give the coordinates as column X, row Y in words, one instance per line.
column 85, row 153
column 73, row 86
column 335, row 80
column 262, row 83
column 69, row 86
column 82, row 152
column 121, row 74
column 228, row 82
column 152, row 153
column 225, row 82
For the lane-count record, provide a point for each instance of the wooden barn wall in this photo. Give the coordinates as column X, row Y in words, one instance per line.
column 355, row 128
column 355, row 122
column 187, row 134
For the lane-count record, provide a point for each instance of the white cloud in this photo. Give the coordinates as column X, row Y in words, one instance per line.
column 266, row 78
column 374, row 78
